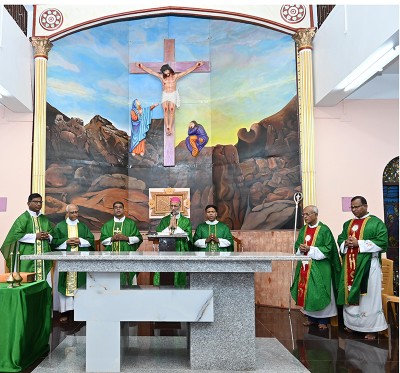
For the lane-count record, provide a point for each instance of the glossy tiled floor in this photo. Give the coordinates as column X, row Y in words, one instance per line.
column 332, row 350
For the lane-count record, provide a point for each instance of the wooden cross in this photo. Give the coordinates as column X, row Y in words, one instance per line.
column 169, row 58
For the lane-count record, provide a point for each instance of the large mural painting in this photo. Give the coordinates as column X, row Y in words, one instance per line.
column 236, row 128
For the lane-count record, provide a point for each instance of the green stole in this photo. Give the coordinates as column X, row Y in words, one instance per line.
column 117, row 229
column 127, row 228
column 374, row 230
column 72, row 277
column 220, row 229
column 212, row 245
column 23, row 225
column 66, row 280
column 39, row 264
column 181, row 244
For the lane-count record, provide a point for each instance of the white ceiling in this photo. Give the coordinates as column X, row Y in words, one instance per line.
column 350, row 39
column 383, row 85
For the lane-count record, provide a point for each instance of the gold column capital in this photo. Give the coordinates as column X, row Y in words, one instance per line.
column 42, row 46
column 304, row 37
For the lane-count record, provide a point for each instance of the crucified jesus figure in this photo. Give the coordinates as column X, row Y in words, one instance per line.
column 170, row 96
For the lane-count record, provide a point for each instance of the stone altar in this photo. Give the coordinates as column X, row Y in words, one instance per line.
column 220, row 296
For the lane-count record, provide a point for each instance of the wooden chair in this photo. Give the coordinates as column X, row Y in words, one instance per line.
column 388, row 296
column 237, row 244
column 97, row 245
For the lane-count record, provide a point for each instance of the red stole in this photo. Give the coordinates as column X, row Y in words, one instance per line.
column 356, row 229
column 309, row 238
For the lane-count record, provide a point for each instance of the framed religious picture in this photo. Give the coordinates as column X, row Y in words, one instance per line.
column 159, row 201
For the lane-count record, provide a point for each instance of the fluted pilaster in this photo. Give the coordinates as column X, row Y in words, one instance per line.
column 303, row 39
column 42, row 47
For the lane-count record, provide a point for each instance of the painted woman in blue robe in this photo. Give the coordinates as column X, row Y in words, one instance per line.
column 197, row 138
column 140, row 124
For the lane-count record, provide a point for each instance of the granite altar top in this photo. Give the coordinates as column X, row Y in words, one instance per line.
column 152, row 236
column 139, row 256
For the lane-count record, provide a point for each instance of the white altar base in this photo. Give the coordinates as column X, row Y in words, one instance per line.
column 164, row 354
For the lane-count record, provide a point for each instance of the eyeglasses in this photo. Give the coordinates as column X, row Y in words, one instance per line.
column 356, row 207
column 174, row 206
column 73, row 212
column 307, row 214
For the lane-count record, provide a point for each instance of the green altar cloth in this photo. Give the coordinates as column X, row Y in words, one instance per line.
column 25, row 324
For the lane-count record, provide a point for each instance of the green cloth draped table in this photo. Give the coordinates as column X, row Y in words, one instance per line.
column 25, row 324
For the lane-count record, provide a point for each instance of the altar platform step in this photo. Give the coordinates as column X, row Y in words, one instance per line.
column 163, row 354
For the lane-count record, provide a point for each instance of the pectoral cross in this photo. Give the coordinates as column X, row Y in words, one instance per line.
column 169, row 58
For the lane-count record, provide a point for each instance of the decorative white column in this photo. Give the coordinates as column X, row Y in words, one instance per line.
column 42, row 47
column 303, row 39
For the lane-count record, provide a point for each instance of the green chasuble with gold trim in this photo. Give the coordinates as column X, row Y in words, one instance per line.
column 127, row 228
column 321, row 273
column 220, row 230
column 372, row 229
column 181, row 244
column 23, row 225
column 60, row 236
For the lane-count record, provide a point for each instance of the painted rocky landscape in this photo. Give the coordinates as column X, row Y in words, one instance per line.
column 252, row 182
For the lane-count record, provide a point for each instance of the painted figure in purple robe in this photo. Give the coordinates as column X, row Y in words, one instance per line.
column 197, row 138
column 140, row 124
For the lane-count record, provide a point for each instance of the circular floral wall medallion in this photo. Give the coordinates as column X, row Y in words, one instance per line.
column 293, row 13
column 51, row 19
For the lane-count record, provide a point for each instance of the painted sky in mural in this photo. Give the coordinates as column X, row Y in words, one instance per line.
column 252, row 73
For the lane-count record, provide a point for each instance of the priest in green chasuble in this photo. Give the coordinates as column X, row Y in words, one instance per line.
column 69, row 235
column 212, row 235
column 121, row 234
column 362, row 241
column 175, row 222
column 316, row 279
column 31, row 233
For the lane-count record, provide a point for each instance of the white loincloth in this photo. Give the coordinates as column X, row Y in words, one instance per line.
column 171, row 97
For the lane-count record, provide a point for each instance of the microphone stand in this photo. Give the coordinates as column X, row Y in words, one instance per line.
column 174, row 213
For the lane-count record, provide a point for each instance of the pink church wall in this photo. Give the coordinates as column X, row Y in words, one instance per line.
column 15, row 156
column 354, row 142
